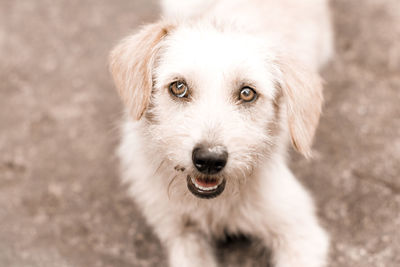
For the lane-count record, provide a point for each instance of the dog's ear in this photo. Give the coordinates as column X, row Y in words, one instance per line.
column 302, row 91
column 131, row 63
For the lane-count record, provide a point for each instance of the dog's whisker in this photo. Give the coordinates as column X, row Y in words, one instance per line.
column 159, row 166
column 169, row 185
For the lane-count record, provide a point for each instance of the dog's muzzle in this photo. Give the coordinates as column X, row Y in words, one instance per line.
column 209, row 162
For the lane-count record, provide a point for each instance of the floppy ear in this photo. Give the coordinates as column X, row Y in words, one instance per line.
column 302, row 91
column 131, row 63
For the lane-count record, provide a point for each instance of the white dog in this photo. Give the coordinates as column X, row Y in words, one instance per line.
column 213, row 94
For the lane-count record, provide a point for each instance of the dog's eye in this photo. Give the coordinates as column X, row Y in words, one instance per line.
column 179, row 89
column 247, row 94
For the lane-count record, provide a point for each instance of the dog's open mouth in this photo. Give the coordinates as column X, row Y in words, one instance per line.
column 205, row 187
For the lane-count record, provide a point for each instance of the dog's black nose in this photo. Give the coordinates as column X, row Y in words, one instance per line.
column 209, row 160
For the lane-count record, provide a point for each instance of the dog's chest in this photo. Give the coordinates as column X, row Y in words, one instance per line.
column 216, row 217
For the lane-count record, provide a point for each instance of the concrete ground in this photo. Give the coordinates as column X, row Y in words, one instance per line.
column 60, row 200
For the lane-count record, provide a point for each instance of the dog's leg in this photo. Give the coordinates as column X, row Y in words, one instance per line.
column 190, row 250
column 289, row 224
column 300, row 247
column 186, row 247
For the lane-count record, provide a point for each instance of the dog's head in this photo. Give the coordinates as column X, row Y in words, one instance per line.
column 215, row 102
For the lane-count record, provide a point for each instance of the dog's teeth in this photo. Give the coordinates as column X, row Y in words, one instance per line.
column 202, row 187
column 206, row 188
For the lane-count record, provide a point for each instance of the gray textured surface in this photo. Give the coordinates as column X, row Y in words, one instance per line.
column 60, row 200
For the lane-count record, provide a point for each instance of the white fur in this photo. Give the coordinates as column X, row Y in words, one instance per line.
column 214, row 45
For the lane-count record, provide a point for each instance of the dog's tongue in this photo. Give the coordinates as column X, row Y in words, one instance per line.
column 206, row 182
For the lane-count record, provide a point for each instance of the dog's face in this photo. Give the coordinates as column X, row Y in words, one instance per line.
column 215, row 102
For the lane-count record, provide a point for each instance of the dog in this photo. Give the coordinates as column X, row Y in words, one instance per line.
column 214, row 92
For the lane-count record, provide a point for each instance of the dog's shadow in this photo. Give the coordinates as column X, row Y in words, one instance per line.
column 244, row 251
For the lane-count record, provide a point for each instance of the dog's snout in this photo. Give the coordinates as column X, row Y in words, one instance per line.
column 209, row 160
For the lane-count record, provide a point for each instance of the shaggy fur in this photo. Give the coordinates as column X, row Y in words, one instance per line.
column 217, row 47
